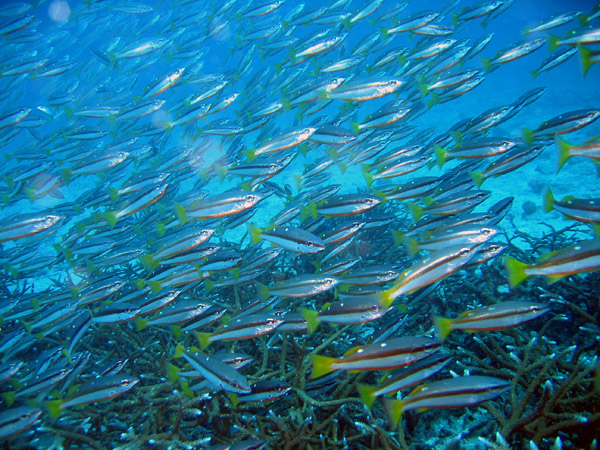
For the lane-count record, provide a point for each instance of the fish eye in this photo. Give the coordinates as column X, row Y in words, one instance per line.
column 464, row 251
column 124, row 382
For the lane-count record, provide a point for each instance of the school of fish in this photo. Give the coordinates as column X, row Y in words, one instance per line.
column 215, row 175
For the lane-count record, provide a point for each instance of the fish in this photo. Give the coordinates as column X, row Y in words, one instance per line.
column 246, row 327
column 582, row 256
column 566, row 150
column 584, row 210
column 557, row 57
column 363, row 90
column 500, row 316
column 265, row 391
column 290, row 238
column 218, row 373
column 220, row 205
column 475, row 148
column 306, row 285
column 96, row 390
column 588, row 58
column 18, row 419
column 465, row 235
column 345, row 205
column 411, row 23
column 448, row 393
column 351, row 310
column 508, row 162
column 564, row 123
column 515, row 51
column 437, row 265
column 578, row 37
column 404, row 378
column 388, row 354
column 28, row 224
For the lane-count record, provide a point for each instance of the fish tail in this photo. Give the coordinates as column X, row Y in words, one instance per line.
column 222, row 172
column 440, row 155
column 66, row 175
column 292, row 55
column 140, row 324
column 111, row 218
column 398, row 237
column 411, row 244
column 185, row 387
column 179, row 349
column 312, row 318
column 548, row 201
column 254, row 233
column 149, row 262
column 553, row 42
column 154, row 285
column 172, row 372
column 355, row 127
column 381, row 195
column 368, row 175
column 534, row 73
column 203, row 339
column 487, row 64
column 583, row 19
column 384, row 32
column 287, row 105
column 30, row 194
column 68, row 112
column 477, row 178
column 114, row 194
column 516, row 271
column 234, row 399
column 160, row 227
column 457, row 135
column 394, row 410
column 113, row 59
column 455, row 19
column 9, row 397
column 54, row 408
column 435, row 99
column 322, row 365
column 176, row 330
column 209, row 285
column 386, row 298
column 263, row 291
column 415, row 211
column 443, row 326
column 528, row 135
column 180, row 213
column 367, row 394
column 312, row 209
column 424, row 88
column 585, row 54
column 250, row 154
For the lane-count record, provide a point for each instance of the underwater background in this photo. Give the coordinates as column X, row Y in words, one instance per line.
column 230, row 224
